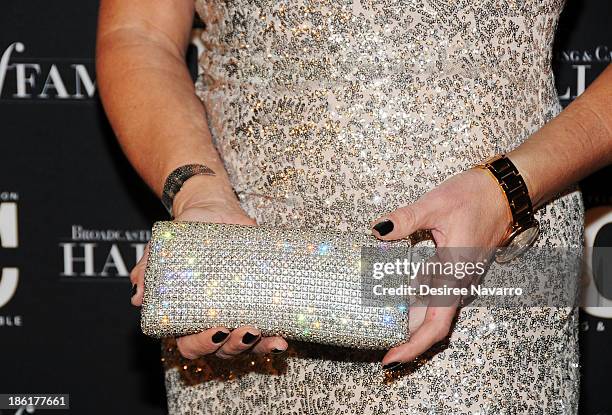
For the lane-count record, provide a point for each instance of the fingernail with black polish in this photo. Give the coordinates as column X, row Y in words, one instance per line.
column 277, row 351
column 384, row 227
column 391, row 365
column 219, row 336
column 249, row 338
column 134, row 289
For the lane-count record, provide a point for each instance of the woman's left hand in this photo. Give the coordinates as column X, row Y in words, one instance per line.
column 467, row 210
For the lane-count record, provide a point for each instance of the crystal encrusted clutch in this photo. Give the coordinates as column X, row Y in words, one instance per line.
column 302, row 284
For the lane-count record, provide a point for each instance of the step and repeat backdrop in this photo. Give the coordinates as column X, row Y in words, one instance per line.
column 74, row 216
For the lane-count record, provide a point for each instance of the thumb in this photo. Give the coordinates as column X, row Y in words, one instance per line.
column 405, row 220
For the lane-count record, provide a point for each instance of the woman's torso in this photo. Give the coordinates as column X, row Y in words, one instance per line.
column 329, row 113
column 353, row 107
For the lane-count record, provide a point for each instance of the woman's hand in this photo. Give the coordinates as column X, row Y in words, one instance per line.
column 218, row 340
column 467, row 210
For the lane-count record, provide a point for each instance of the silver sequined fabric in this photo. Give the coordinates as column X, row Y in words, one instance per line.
column 329, row 113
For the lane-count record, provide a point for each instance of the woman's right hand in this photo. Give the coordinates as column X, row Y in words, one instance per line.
column 221, row 341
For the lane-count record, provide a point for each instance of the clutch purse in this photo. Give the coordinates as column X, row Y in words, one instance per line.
column 302, row 284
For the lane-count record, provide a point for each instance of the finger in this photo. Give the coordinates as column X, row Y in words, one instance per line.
column 241, row 339
column 206, row 342
column 405, row 220
column 436, row 327
column 137, row 277
column 416, row 317
column 442, row 306
column 274, row 345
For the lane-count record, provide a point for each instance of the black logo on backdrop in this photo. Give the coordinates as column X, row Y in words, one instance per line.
column 9, row 239
column 102, row 253
column 34, row 78
column 59, row 79
column 580, row 67
column 601, row 263
column 597, row 282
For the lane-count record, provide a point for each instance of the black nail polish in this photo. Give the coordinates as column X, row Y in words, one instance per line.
column 277, row 351
column 134, row 289
column 384, row 227
column 219, row 336
column 249, row 338
column 391, row 365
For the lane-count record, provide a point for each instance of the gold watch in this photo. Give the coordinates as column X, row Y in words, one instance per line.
column 524, row 230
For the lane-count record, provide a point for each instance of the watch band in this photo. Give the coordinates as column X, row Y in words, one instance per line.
column 175, row 181
column 514, row 187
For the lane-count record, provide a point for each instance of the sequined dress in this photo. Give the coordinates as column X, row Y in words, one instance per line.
column 330, row 113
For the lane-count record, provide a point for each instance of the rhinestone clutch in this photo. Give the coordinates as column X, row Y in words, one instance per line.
column 302, row 284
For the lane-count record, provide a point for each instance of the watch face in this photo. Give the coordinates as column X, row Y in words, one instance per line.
column 519, row 244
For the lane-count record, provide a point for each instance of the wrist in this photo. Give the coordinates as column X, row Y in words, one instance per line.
column 493, row 193
column 524, row 229
column 522, row 165
column 204, row 190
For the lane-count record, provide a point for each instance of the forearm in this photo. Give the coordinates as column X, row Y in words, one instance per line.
column 571, row 146
column 160, row 123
